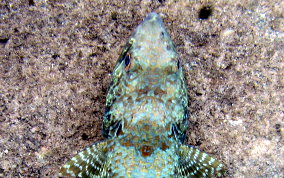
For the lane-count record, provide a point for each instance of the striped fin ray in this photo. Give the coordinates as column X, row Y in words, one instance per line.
column 88, row 163
column 195, row 163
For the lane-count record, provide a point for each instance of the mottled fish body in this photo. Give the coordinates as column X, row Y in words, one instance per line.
column 146, row 116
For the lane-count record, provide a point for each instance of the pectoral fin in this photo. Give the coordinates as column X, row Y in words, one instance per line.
column 88, row 163
column 194, row 163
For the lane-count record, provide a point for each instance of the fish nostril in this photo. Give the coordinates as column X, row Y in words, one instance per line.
column 162, row 35
column 169, row 47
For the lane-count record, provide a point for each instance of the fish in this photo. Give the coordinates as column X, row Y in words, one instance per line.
column 146, row 116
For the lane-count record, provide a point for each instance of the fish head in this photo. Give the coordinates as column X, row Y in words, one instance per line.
column 148, row 85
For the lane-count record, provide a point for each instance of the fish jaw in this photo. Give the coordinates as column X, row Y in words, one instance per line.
column 152, row 46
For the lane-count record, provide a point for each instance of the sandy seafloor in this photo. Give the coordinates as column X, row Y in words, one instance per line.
column 56, row 58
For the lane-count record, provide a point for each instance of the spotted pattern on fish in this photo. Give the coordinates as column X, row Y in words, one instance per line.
column 146, row 116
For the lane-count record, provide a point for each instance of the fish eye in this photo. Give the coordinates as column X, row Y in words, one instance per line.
column 178, row 64
column 127, row 61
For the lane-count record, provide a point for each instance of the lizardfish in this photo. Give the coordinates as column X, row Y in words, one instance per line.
column 146, row 116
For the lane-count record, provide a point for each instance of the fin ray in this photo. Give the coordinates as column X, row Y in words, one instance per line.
column 87, row 163
column 195, row 163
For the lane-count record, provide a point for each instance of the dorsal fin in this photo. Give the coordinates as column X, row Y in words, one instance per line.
column 88, row 163
column 194, row 163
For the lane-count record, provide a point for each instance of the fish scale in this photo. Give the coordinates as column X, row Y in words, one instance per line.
column 146, row 116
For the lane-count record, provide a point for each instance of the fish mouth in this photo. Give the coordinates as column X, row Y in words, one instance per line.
column 153, row 23
column 154, row 18
column 152, row 46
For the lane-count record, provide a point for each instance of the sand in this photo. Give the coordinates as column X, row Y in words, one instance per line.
column 56, row 58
